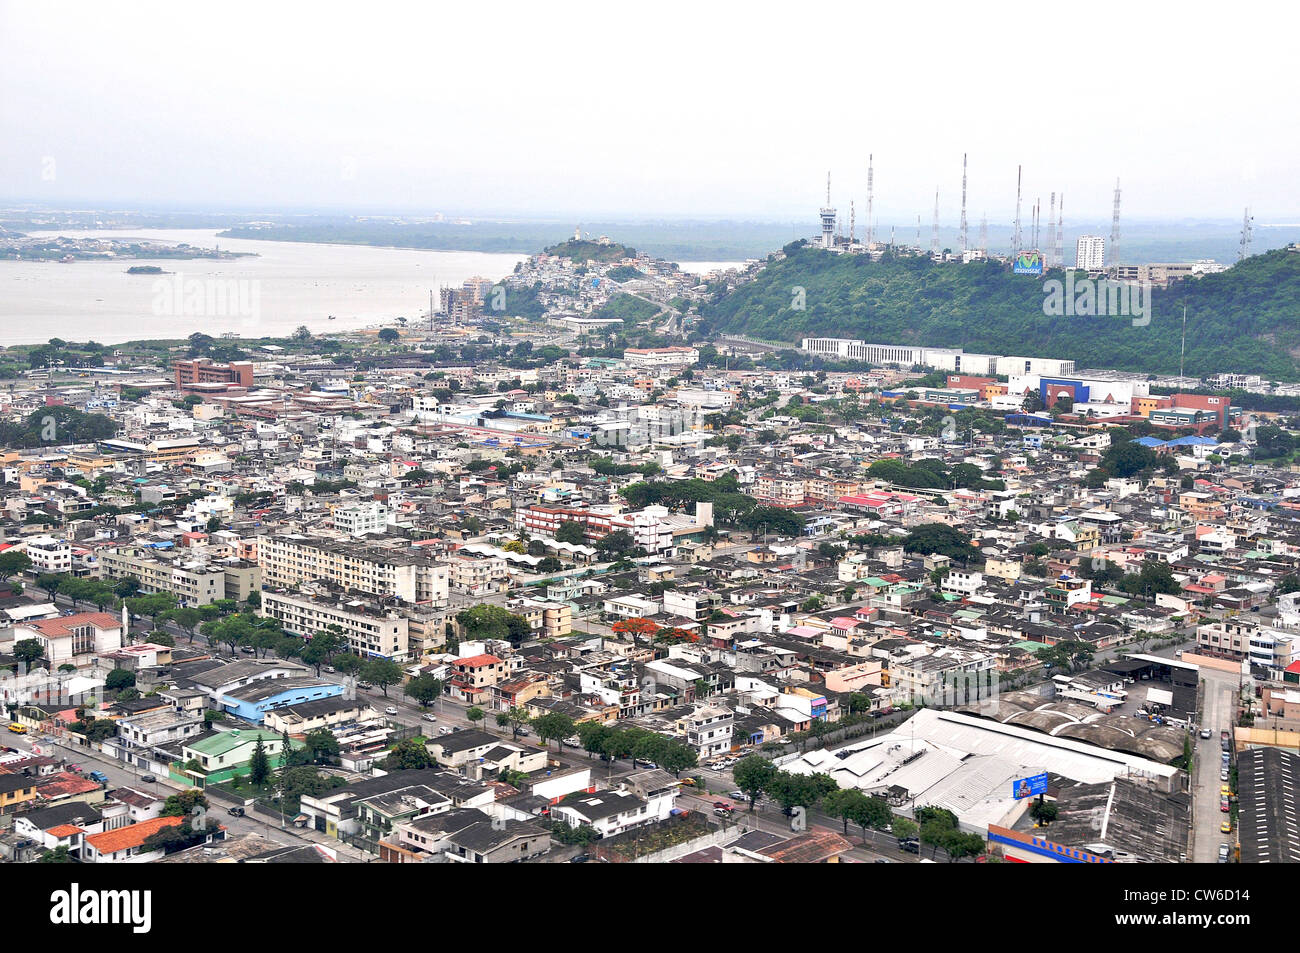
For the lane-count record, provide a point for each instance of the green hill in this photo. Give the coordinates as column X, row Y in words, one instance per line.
column 582, row 251
column 1245, row 319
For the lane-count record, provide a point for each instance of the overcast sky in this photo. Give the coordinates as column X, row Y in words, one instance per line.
column 702, row 109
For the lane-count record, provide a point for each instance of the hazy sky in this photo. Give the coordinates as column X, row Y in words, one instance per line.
column 701, row 109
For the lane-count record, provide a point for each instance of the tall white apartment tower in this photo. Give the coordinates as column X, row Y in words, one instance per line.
column 1090, row 252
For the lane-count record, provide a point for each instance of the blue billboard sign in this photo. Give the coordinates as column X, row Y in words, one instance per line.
column 1029, row 787
column 1028, row 263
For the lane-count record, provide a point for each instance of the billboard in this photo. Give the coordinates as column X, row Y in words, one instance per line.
column 1028, row 263
column 1029, row 787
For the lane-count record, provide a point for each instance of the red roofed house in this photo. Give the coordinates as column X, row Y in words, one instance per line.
column 75, row 639
column 472, row 677
column 125, row 844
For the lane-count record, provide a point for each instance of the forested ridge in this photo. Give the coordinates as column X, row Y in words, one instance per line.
column 1245, row 319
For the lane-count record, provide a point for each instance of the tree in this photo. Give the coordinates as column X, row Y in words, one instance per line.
column 29, row 652
column 474, row 715
column 183, row 803
column 259, row 765
column 424, row 689
column 323, row 646
column 571, row 531
column 119, row 679
column 59, row 855
column 348, row 664
column 753, row 774
column 302, row 335
column 13, row 564
column 641, row 630
column 381, row 673
column 322, row 745
column 389, row 335
column 515, row 718
column 409, row 755
column 903, row 828
column 553, row 726
column 188, row 619
column 842, row 803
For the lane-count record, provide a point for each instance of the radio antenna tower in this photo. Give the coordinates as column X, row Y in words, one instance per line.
column 1038, row 204
column 1051, row 233
column 934, row 234
column 1114, row 230
column 1015, row 235
column 984, row 233
column 1246, row 229
column 852, row 223
column 918, row 233
column 1060, row 233
column 963, row 203
column 870, row 185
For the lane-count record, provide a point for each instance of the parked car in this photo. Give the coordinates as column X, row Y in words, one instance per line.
column 1225, row 805
column 17, row 729
column 737, row 795
column 330, row 669
column 236, row 812
column 578, row 859
column 1223, row 774
column 722, row 812
column 428, row 716
column 444, row 730
column 147, row 778
column 390, row 710
column 911, row 846
column 1226, row 826
column 1206, row 733
column 722, row 806
column 1224, row 853
column 99, row 776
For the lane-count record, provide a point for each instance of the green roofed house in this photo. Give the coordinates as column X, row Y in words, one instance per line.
column 222, row 755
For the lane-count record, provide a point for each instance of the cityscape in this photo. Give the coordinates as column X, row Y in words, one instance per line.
column 856, row 535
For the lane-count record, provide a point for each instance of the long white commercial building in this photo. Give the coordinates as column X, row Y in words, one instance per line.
column 953, row 359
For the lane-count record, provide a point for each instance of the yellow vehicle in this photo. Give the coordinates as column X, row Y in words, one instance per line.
column 1225, row 790
column 17, row 728
column 1226, row 826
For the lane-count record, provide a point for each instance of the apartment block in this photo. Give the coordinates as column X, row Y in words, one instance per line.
column 369, row 633
column 289, row 560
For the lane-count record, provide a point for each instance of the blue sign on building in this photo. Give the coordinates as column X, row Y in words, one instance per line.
column 1029, row 787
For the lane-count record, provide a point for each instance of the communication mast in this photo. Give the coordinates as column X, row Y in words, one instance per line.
column 1114, row 230
column 1060, row 233
column 870, row 185
column 963, row 203
column 934, row 234
column 1015, row 235
column 1246, row 233
column 1051, row 233
column 984, row 233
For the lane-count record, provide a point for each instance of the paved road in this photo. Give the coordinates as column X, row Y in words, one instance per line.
column 1219, row 709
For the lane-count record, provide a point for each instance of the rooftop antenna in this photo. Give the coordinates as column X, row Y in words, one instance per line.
column 1244, row 251
column 934, row 234
column 1114, row 229
column 1015, row 236
column 963, row 203
column 870, row 186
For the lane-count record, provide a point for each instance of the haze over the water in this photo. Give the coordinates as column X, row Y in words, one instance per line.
column 668, row 109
